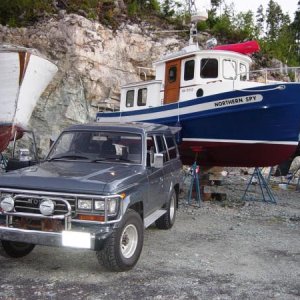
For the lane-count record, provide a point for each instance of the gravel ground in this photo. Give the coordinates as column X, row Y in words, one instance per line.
column 222, row 250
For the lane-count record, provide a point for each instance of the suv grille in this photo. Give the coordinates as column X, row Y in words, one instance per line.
column 30, row 203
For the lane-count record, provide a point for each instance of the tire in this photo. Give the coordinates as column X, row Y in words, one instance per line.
column 167, row 220
column 123, row 248
column 15, row 249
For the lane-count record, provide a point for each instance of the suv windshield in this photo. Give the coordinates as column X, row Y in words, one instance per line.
column 98, row 146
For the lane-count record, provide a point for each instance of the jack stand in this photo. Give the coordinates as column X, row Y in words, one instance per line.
column 266, row 192
column 195, row 180
column 194, row 172
column 3, row 162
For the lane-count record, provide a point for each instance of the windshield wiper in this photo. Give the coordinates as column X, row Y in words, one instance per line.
column 70, row 156
column 103, row 159
column 111, row 158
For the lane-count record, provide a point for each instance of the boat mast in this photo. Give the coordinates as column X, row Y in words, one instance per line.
column 196, row 16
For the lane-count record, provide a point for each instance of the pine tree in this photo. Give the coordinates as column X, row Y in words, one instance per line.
column 260, row 20
column 215, row 4
column 296, row 30
column 273, row 19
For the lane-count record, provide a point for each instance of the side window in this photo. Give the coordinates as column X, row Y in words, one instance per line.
column 142, row 97
column 151, row 143
column 172, row 74
column 209, row 68
column 151, row 149
column 189, row 68
column 130, row 98
column 161, row 147
column 243, row 72
column 229, row 69
column 171, row 147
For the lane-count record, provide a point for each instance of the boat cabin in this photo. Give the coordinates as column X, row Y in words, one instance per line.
column 188, row 74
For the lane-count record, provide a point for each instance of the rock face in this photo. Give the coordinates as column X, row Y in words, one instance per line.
column 93, row 61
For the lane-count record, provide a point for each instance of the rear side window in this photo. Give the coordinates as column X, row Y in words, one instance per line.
column 161, row 147
column 171, row 147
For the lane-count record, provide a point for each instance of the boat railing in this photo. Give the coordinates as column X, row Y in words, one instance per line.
column 106, row 106
column 269, row 75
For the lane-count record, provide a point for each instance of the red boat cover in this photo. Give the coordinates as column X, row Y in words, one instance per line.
column 243, row 48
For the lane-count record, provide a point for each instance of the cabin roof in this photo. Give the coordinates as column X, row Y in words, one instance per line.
column 140, row 83
column 190, row 51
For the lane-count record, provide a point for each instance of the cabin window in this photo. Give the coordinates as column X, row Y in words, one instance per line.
column 130, row 98
column 142, row 97
column 209, row 68
column 189, row 67
column 243, row 72
column 229, row 69
column 172, row 74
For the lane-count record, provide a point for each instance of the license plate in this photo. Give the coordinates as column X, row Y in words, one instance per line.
column 76, row 239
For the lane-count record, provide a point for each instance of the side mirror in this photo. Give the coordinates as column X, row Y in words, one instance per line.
column 158, row 161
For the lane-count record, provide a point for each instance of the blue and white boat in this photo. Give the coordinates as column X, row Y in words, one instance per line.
column 229, row 115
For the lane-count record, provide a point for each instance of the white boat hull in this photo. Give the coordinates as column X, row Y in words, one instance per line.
column 24, row 75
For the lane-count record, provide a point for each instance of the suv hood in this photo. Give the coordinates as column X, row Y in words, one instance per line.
column 73, row 177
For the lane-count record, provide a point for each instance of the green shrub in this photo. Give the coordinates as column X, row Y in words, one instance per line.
column 23, row 12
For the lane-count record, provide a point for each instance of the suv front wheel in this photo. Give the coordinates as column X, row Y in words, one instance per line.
column 15, row 249
column 123, row 248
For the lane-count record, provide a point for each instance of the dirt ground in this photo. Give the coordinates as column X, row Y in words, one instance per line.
column 228, row 249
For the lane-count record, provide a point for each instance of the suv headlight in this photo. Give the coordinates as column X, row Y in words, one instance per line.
column 112, row 205
column 85, row 204
column 99, row 205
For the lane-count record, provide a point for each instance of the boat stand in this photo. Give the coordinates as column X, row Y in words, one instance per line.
column 195, row 180
column 3, row 162
column 194, row 173
column 266, row 192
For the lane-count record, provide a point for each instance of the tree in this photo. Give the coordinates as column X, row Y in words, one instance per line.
column 23, row 12
column 244, row 26
column 215, row 4
column 260, row 21
column 275, row 20
column 296, row 23
column 169, row 7
column 295, row 27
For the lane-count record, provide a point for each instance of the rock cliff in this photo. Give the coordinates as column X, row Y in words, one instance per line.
column 93, row 61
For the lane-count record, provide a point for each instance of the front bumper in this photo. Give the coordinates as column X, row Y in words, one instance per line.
column 92, row 239
column 60, row 229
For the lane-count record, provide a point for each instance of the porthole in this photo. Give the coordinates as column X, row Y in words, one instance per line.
column 199, row 93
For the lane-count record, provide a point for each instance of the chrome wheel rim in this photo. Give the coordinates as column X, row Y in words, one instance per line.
column 129, row 241
column 172, row 208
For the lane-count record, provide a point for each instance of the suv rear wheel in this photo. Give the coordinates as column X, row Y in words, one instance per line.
column 123, row 248
column 167, row 220
column 15, row 249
